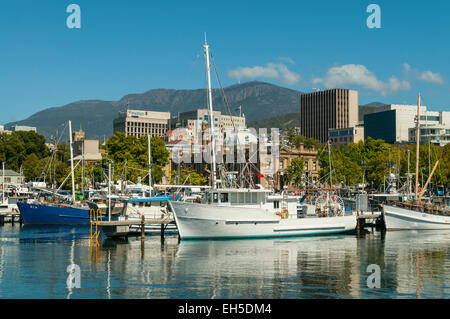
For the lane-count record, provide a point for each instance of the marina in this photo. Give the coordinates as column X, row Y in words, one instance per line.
column 195, row 152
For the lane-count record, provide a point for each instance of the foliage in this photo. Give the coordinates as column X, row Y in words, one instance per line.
column 371, row 158
column 16, row 147
column 294, row 172
column 133, row 152
column 189, row 174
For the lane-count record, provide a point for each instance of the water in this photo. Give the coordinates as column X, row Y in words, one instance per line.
column 34, row 260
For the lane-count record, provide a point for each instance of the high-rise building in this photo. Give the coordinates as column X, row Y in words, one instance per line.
column 195, row 119
column 329, row 109
column 392, row 123
column 142, row 123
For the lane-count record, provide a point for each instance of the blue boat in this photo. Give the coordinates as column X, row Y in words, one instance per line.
column 53, row 215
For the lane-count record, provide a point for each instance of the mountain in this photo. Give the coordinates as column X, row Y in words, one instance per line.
column 291, row 120
column 259, row 100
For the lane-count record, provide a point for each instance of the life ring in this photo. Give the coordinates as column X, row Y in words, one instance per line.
column 284, row 213
column 335, row 197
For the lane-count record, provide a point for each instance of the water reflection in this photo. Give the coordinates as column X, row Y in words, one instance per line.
column 33, row 263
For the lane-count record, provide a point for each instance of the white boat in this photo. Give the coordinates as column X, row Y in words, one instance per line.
column 401, row 218
column 244, row 213
column 416, row 215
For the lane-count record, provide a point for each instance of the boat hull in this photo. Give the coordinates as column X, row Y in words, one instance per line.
column 53, row 215
column 200, row 221
column 398, row 218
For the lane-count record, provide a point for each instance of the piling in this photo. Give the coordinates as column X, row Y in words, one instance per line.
column 162, row 229
column 142, row 229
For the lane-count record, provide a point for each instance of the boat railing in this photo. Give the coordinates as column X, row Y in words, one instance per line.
column 419, row 206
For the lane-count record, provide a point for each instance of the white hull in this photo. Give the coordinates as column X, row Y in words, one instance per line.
column 398, row 218
column 202, row 221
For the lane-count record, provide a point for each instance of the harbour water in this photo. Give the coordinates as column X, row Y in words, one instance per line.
column 34, row 261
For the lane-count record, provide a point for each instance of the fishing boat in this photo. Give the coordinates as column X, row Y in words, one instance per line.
column 248, row 213
column 415, row 214
column 60, row 211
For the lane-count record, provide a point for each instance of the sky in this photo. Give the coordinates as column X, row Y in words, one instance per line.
column 133, row 46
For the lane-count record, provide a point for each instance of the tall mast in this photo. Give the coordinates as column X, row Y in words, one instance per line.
column 3, row 181
column 211, row 116
column 71, row 161
column 329, row 162
column 417, row 149
column 149, row 166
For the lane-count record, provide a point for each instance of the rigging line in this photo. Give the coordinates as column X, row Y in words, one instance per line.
column 222, row 91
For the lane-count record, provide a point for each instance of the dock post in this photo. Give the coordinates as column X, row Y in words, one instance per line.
column 2, row 220
column 12, row 219
column 162, row 231
column 142, row 229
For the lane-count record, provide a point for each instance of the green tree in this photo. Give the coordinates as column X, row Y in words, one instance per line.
column 294, row 172
column 192, row 177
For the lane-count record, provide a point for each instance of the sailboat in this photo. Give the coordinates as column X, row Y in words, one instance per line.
column 228, row 213
column 416, row 215
column 56, row 213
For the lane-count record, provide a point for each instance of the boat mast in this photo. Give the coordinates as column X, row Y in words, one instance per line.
column 417, row 149
column 211, row 116
column 329, row 162
column 3, row 181
column 149, row 166
column 71, row 161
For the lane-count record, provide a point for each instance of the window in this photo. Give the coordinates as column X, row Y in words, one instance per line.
column 224, row 197
column 276, row 204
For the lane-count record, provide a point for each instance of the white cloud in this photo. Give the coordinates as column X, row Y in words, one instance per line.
column 286, row 59
column 356, row 74
column 406, row 67
column 271, row 71
column 427, row 76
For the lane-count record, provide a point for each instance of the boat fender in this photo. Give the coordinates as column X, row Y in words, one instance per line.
column 284, row 213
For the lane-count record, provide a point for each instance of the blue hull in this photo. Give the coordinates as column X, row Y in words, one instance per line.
column 53, row 215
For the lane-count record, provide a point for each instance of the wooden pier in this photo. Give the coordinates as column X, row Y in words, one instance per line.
column 369, row 219
column 10, row 217
column 121, row 228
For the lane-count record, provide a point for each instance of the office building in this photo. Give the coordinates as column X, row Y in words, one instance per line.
column 195, row 119
column 18, row 128
column 344, row 136
column 329, row 109
column 437, row 134
column 393, row 122
column 142, row 123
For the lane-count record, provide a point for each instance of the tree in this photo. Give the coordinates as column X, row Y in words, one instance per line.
column 31, row 167
column 123, row 149
column 294, row 172
column 192, row 177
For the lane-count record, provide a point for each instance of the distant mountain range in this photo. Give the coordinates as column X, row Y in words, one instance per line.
column 264, row 105
column 258, row 100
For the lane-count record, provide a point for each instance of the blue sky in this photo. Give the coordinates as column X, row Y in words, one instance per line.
column 134, row 46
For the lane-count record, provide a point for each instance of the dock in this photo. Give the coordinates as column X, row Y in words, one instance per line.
column 10, row 217
column 369, row 219
column 121, row 228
